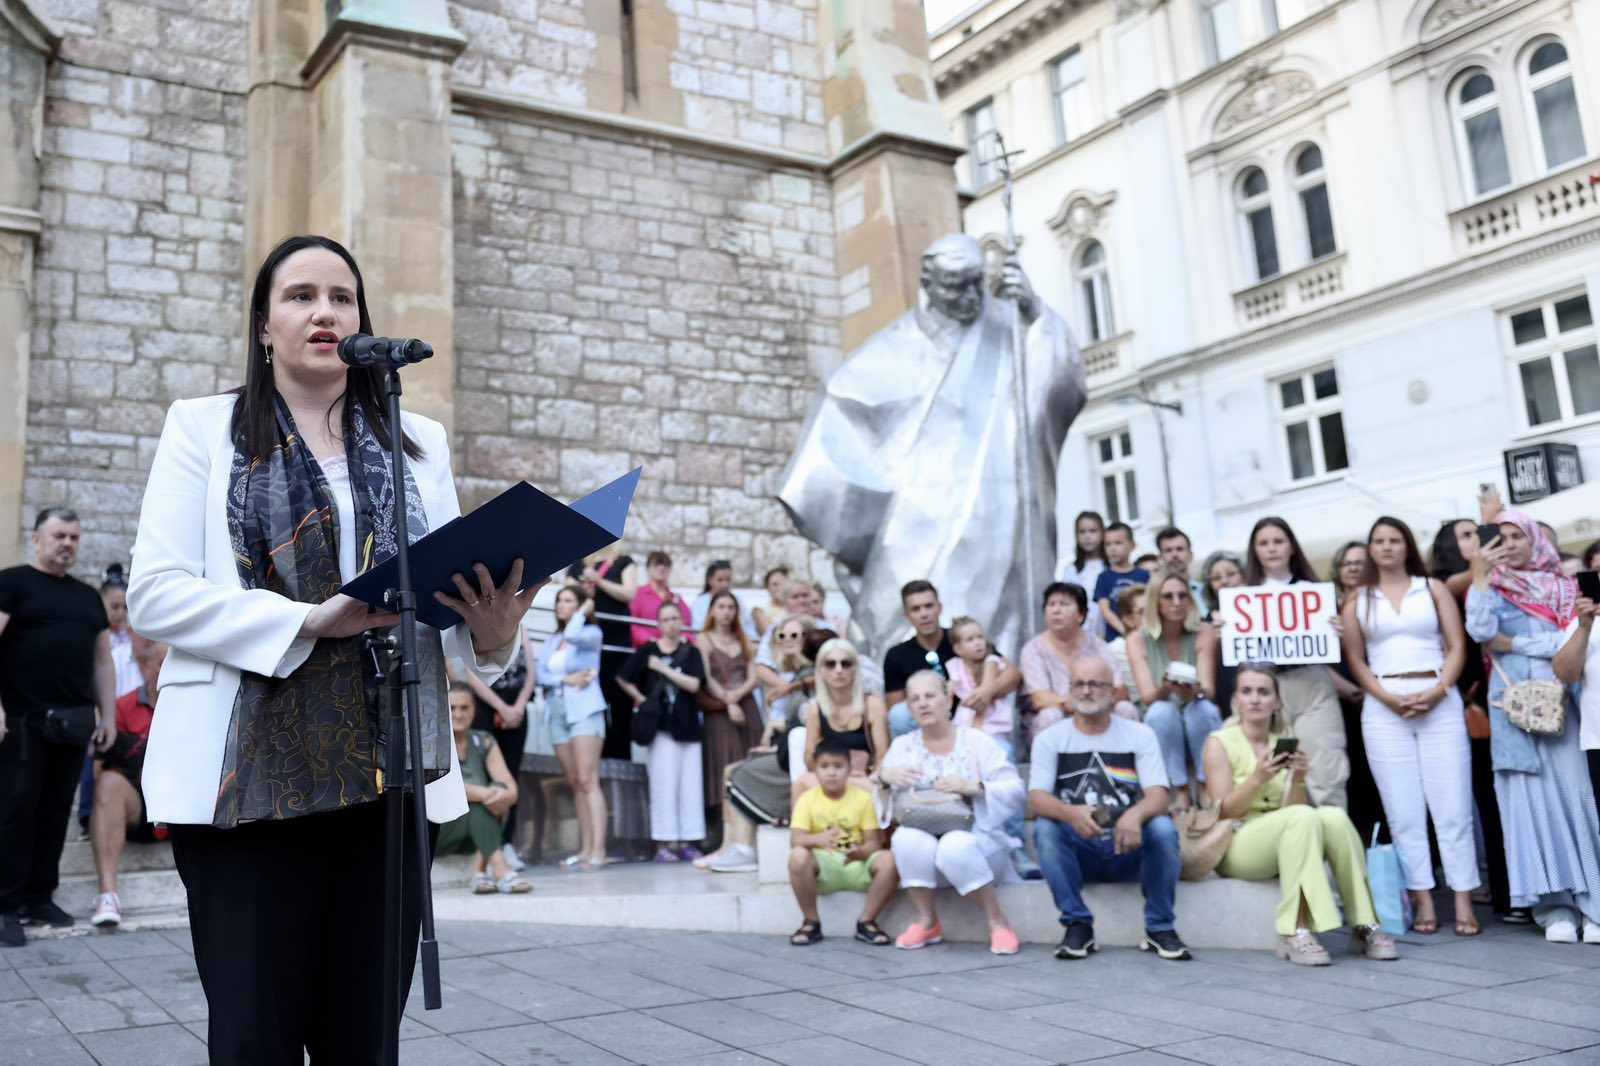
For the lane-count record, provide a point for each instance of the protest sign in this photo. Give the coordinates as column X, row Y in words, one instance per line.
column 1290, row 625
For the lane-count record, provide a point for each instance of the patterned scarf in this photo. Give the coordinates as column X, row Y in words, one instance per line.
column 312, row 741
column 1540, row 589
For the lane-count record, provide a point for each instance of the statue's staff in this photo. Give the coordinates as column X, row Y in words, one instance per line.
column 1019, row 355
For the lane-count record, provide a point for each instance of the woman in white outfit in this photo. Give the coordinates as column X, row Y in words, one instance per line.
column 941, row 755
column 1406, row 646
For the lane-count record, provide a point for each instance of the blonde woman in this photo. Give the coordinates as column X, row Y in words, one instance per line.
column 1171, row 658
column 1263, row 784
column 843, row 709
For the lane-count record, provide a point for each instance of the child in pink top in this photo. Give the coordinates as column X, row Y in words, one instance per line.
column 973, row 665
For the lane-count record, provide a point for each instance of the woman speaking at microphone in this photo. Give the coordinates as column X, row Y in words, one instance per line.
column 261, row 504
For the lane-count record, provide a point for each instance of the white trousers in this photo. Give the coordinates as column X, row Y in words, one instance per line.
column 677, row 799
column 955, row 860
column 1423, row 767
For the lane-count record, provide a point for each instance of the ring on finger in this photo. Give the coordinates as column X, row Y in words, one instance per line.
column 472, row 603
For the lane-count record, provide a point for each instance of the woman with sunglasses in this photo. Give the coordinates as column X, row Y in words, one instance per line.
column 1171, row 656
column 843, row 709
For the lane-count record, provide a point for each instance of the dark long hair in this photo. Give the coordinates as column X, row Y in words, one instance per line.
column 254, row 425
column 1446, row 553
column 1300, row 568
column 1415, row 567
column 1078, row 557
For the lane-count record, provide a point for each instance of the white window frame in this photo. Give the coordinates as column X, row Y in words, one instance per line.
column 1208, row 23
column 1070, row 99
column 1244, row 206
column 1553, row 346
column 1118, row 468
column 1532, row 83
column 1310, row 411
column 1303, row 183
column 985, row 172
column 1093, row 285
column 1460, row 113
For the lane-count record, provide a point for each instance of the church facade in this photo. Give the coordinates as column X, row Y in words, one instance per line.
column 635, row 231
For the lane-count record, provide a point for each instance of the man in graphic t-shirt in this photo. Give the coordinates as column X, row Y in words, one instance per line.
column 1097, row 788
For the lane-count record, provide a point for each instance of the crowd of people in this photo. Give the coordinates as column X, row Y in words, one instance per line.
column 1113, row 728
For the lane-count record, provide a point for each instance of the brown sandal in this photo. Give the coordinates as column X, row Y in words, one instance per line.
column 1425, row 927
column 1469, row 928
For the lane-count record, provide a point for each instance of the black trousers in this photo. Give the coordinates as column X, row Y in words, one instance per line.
column 37, row 783
column 287, row 922
column 511, row 743
column 1494, row 841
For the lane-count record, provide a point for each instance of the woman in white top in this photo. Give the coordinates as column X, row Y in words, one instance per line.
column 261, row 504
column 1405, row 645
column 941, row 755
column 1087, row 562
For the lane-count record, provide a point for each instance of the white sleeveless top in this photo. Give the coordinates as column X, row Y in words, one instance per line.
column 1404, row 641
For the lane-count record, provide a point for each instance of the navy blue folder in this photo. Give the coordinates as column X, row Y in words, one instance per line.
column 520, row 523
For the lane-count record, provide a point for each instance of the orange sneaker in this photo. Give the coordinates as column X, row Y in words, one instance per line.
column 1003, row 941
column 920, row 936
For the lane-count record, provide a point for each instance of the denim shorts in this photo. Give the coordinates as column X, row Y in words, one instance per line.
column 593, row 725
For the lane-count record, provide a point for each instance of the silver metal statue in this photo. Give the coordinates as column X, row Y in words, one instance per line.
column 912, row 463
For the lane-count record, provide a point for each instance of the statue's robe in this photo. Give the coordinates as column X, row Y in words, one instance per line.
column 908, row 468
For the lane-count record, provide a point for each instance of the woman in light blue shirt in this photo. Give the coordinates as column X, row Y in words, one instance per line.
column 575, row 709
column 1518, row 607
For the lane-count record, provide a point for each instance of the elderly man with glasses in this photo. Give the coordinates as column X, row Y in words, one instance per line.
column 1097, row 787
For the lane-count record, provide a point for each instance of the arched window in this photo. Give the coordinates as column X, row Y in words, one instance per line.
column 1255, row 212
column 1554, row 103
column 1482, row 142
column 1311, row 182
column 1094, row 289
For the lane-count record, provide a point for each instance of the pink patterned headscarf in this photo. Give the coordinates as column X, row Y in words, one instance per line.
column 1540, row 589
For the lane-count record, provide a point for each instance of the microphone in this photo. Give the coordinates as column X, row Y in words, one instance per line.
column 361, row 349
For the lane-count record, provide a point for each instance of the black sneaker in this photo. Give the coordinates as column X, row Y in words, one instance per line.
column 1078, row 943
column 1166, row 944
column 46, row 913
column 11, row 934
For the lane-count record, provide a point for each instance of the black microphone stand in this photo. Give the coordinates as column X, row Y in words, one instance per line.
column 395, row 665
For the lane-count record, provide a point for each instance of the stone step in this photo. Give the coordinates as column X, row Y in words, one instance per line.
column 77, row 857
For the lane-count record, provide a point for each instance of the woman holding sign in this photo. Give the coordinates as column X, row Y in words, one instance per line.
column 1310, row 703
column 1405, row 646
column 1518, row 608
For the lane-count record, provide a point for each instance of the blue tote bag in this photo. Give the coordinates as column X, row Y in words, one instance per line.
column 1387, row 878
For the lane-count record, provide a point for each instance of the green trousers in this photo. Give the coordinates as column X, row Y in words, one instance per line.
column 477, row 830
column 1291, row 844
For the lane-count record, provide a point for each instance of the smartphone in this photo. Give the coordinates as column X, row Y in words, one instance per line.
column 1487, row 532
column 1286, row 746
column 1589, row 584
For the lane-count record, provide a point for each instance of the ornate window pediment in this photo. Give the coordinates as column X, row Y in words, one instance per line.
column 1081, row 213
column 1263, row 93
column 1447, row 14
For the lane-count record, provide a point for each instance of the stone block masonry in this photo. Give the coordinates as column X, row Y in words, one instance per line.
column 620, row 302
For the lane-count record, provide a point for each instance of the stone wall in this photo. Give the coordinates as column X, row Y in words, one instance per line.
column 137, row 286
column 748, row 70
column 620, row 302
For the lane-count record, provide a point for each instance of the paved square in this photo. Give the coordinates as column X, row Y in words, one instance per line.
column 524, row 994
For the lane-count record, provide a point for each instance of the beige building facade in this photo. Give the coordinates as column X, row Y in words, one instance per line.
column 635, row 231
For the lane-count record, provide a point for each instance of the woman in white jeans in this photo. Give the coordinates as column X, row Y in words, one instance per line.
column 1406, row 646
column 942, row 755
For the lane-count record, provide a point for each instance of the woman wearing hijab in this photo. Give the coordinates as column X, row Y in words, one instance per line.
column 1518, row 607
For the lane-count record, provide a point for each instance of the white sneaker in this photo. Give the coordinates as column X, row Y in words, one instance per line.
column 736, row 859
column 1591, row 932
column 108, row 912
column 513, row 860
column 1561, row 931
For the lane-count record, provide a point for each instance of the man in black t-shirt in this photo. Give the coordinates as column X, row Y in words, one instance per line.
column 55, row 667
column 928, row 649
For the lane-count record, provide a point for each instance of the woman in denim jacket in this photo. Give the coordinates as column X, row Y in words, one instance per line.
column 575, row 713
column 1518, row 607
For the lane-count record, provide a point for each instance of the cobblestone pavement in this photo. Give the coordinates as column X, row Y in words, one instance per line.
column 594, row 997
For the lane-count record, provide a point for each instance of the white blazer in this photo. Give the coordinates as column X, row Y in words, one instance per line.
column 185, row 592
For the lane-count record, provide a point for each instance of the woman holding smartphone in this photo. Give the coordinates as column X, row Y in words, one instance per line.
column 1258, row 776
column 1405, row 646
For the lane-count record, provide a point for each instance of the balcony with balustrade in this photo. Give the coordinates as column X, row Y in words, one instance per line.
column 1533, row 208
column 1286, row 295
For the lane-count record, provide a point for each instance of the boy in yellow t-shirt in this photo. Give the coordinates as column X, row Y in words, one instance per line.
column 837, row 846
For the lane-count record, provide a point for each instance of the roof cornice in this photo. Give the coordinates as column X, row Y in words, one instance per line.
column 1011, row 31
column 32, row 27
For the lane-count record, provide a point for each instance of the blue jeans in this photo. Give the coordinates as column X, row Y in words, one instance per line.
column 1182, row 732
column 900, row 721
column 1069, row 861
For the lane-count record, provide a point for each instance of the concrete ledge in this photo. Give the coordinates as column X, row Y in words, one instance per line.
column 1211, row 914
